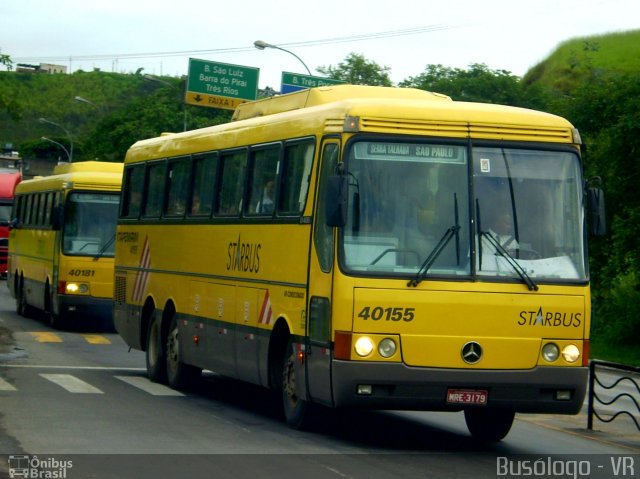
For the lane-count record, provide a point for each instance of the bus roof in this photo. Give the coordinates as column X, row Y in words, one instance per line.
column 91, row 175
column 385, row 110
column 84, row 166
column 323, row 95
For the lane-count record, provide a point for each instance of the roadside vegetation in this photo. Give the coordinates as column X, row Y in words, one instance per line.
column 594, row 82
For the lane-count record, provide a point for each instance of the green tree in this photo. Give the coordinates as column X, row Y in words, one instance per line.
column 6, row 61
column 357, row 70
column 605, row 107
column 478, row 83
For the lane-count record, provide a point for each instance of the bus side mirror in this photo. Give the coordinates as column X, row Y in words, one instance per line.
column 57, row 217
column 596, row 212
column 336, row 200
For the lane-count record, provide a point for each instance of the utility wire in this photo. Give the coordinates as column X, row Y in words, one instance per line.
column 301, row 44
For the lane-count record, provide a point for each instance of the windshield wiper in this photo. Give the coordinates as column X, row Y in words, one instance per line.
column 433, row 256
column 510, row 259
column 104, row 248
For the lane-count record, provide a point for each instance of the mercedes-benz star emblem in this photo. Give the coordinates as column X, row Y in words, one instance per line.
column 471, row 352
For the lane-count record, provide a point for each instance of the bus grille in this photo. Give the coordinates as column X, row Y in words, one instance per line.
column 120, row 290
column 457, row 129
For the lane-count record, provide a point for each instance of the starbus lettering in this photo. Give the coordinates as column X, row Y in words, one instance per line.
column 550, row 318
column 243, row 256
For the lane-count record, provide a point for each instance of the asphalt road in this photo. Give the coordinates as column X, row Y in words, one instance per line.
column 81, row 396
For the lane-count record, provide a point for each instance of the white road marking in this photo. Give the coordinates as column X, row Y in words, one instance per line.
column 72, row 383
column 154, row 389
column 5, row 386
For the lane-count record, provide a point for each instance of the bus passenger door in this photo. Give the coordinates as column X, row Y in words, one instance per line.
column 318, row 341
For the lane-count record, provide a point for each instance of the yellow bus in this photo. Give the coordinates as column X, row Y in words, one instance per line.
column 61, row 244
column 338, row 245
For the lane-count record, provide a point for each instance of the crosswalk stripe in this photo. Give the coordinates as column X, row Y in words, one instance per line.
column 154, row 389
column 72, row 383
column 5, row 386
column 95, row 339
column 46, row 337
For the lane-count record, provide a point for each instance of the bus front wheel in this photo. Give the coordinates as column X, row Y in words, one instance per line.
column 22, row 306
column 155, row 355
column 489, row 425
column 297, row 411
column 179, row 375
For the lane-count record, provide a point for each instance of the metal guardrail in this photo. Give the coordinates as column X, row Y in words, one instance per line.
column 594, row 398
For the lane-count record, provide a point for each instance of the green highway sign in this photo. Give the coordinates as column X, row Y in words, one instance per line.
column 220, row 85
column 294, row 82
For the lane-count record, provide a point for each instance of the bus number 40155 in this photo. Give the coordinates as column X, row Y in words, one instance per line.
column 377, row 313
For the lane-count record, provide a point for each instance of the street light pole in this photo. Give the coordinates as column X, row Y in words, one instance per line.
column 70, row 152
column 84, row 100
column 184, row 104
column 59, row 144
column 260, row 45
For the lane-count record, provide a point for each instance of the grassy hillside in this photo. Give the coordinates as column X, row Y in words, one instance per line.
column 573, row 59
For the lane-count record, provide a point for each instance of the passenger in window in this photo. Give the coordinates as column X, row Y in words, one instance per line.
column 265, row 205
column 195, row 204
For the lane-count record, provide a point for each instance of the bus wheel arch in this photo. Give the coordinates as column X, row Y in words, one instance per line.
column 278, row 342
column 154, row 344
column 284, row 377
column 56, row 320
column 180, row 375
column 22, row 305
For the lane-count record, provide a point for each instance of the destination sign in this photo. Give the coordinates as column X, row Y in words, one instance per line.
column 410, row 152
column 220, row 85
column 295, row 82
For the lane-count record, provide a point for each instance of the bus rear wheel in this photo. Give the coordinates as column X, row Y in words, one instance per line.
column 297, row 411
column 489, row 425
column 179, row 375
column 155, row 355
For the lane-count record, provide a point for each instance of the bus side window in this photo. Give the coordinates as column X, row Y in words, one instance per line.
column 263, row 176
column 155, row 187
column 204, row 179
column 231, row 182
column 27, row 211
column 178, row 183
column 298, row 159
column 323, row 234
column 132, row 191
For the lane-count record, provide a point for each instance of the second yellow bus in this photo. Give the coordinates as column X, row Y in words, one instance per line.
column 62, row 243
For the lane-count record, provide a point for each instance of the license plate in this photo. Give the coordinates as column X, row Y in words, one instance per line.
column 467, row 396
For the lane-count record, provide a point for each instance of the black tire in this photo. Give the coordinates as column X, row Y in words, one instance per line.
column 179, row 375
column 155, row 354
column 297, row 411
column 489, row 425
column 56, row 321
column 22, row 306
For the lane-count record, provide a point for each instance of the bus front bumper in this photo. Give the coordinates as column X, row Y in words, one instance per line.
column 80, row 307
column 559, row 390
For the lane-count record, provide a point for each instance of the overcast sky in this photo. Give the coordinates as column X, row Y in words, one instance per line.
column 404, row 35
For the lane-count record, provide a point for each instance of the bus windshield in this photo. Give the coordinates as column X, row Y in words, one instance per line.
column 89, row 224
column 412, row 205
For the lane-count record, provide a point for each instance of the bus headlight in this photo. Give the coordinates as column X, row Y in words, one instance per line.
column 363, row 346
column 387, row 347
column 550, row 352
column 76, row 288
column 570, row 353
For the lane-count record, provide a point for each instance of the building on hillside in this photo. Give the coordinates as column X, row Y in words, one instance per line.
column 41, row 68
